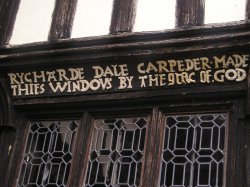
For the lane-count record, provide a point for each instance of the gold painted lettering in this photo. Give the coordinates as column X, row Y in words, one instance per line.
column 231, row 74
column 151, row 68
column 172, row 65
column 219, row 75
column 180, row 65
column 162, row 79
column 84, row 85
column 51, row 76
column 240, row 61
column 124, row 70
column 189, row 64
column 98, row 71
column 38, row 76
column 197, row 64
column 143, row 78
column 13, row 79
column 241, row 74
column 218, row 61
column 162, row 66
column 76, row 73
column 139, row 68
column 62, row 75
column 153, row 81
column 14, row 90
column 20, row 76
column 205, row 63
column 27, row 77
column 171, row 79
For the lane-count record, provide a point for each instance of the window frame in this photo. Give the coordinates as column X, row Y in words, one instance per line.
column 155, row 113
column 128, row 47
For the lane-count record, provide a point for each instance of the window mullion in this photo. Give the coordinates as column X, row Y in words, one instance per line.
column 123, row 16
column 81, row 151
column 154, row 141
column 62, row 19
column 8, row 12
column 189, row 12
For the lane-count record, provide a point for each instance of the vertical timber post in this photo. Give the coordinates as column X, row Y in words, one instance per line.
column 8, row 12
column 247, row 11
column 62, row 19
column 7, row 133
column 189, row 12
column 123, row 16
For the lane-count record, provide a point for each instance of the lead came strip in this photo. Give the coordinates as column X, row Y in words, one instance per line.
column 193, row 152
column 48, row 154
column 116, row 152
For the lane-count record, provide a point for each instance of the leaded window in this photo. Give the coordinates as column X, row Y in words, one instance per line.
column 193, row 152
column 48, row 154
column 116, row 152
column 187, row 149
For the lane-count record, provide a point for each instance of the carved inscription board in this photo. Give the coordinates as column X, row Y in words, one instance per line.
column 120, row 77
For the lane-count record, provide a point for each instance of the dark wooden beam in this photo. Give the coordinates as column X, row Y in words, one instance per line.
column 6, row 110
column 247, row 11
column 7, row 142
column 247, row 147
column 153, row 153
column 62, row 19
column 248, row 93
column 8, row 11
column 123, row 16
column 189, row 12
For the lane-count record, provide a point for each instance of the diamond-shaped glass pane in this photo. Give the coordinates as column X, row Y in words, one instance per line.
column 218, row 156
column 47, row 158
column 192, row 152
column 120, row 163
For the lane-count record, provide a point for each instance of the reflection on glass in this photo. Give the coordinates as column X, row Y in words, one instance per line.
column 48, row 154
column 116, row 152
column 219, row 11
column 193, row 152
column 92, row 18
column 155, row 15
column 33, row 21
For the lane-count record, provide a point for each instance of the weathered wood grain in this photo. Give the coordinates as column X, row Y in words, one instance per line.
column 128, row 45
column 62, row 19
column 81, row 150
column 247, row 10
column 123, row 16
column 7, row 142
column 6, row 108
column 189, row 12
column 8, row 11
column 15, row 144
column 152, row 159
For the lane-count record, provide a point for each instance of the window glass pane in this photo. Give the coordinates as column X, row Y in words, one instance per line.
column 218, row 11
column 116, row 153
column 48, row 154
column 33, row 21
column 193, row 152
column 155, row 15
column 92, row 18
